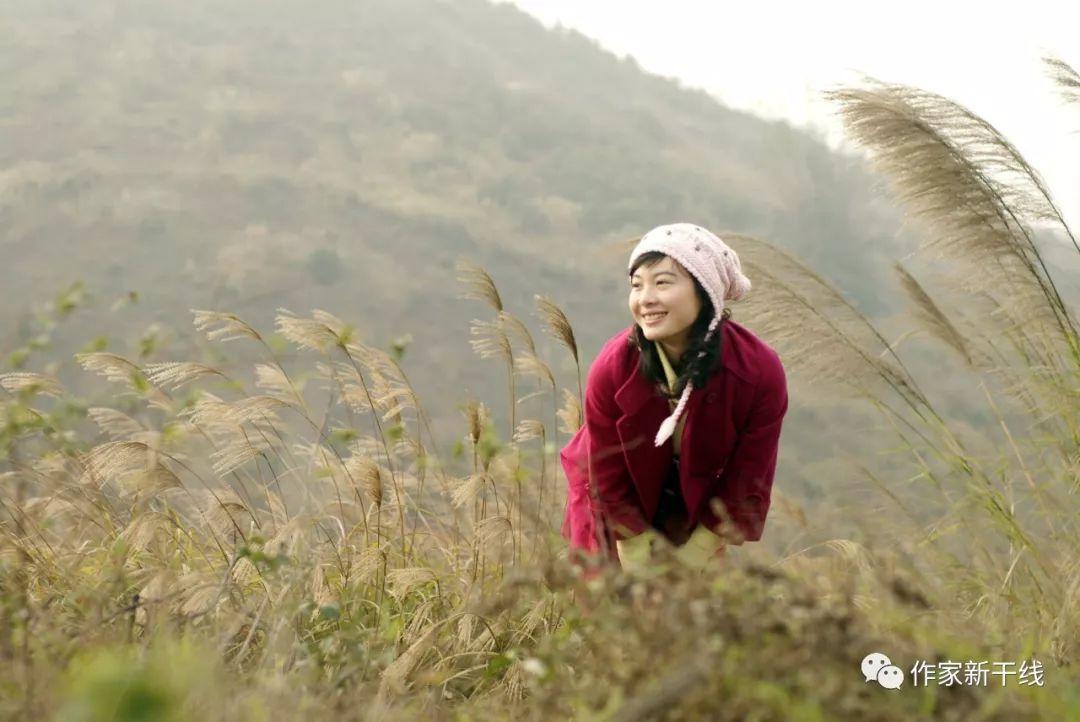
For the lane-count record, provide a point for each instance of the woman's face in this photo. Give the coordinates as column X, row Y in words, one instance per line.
column 663, row 301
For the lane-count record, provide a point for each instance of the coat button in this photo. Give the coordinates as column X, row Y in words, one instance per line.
column 711, row 397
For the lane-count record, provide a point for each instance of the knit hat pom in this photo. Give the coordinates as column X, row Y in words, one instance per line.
column 740, row 285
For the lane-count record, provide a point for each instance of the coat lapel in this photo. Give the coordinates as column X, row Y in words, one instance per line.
column 706, row 439
column 643, row 410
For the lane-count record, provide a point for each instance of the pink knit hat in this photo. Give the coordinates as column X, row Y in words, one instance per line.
column 716, row 267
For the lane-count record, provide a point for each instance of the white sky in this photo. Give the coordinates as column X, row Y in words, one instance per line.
column 774, row 58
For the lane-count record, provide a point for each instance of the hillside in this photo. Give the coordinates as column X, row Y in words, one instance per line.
column 343, row 156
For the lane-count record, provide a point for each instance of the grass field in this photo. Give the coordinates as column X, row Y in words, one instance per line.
column 196, row 545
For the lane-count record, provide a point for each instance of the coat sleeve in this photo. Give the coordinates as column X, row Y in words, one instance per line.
column 616, row 499
column 747, row 480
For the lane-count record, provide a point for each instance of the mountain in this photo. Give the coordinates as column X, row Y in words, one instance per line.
column 247, row 156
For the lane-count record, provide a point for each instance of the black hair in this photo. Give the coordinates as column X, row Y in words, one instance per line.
column 691, row 366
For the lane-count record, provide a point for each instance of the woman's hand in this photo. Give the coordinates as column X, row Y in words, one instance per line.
column 636, row 551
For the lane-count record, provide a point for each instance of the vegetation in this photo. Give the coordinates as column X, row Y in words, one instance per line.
column 289, row 536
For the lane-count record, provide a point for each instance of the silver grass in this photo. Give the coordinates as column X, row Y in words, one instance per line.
column 464, row 635
column 1000, row 341
column 491, row 340
column 570, row 413
column 492, row 529
column 408, row 447
column 54, row 464
column 332, row 370
column 212, row 411
column 931, row 146
column 367, row 565
column 26, row 381
column 365, row 472
column 221, row 326
column 158, row 399
column 278, row 513
column 375, row 359
column 355, row 397
column 1041, row 391
column 515, row 328
column 930, row 314
column 468, row 489
column 535, row 617
column 529, row 429
column 224, row 510
column 305, row 332
column 853, row 552
column 115, row 423
column 119, row 369
column 529, row 364
column 371, row 477
column 393, row 678
column 44, row 508
column 506, row 465
column 366, row 446
column 259, row 408
column 479, row 285
column 557, row 325
column 160, row 587
column 244, row 572
column 237, row 452
column 514, row 681
column 321, row 593
column 420, row 619
column 391, row 396
column 326, row 371
column 160, row 478
column 393, row 413
column 271, row 378
column 404, row 580
column 175, row 374
column 481, row 639
column 312, row 452
column 340, row 329
column 1067, row 79
column 817, row 332
column 971, row 186
column 476, row 413
column 201, row 599
column 108, row 460
column 112, row 366
column 140, row 532
column 209, row 410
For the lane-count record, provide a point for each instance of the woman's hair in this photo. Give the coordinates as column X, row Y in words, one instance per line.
column 695, row 368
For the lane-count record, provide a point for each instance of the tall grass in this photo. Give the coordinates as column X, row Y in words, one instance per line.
column 269, row 545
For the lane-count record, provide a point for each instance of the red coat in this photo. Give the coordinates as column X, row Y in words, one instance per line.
column 729, row 443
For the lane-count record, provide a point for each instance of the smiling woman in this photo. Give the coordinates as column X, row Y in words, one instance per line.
column 664, row 302
column 653, row 455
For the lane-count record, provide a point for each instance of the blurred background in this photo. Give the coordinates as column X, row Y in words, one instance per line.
column 253, row 156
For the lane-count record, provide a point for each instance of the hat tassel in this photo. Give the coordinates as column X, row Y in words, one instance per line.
column 667, row 428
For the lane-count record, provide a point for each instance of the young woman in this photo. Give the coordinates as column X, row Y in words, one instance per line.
column 682, row 409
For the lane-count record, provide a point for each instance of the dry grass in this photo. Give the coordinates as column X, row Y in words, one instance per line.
column 235, row 554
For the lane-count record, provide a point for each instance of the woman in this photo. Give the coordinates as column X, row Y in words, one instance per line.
column 682, row 409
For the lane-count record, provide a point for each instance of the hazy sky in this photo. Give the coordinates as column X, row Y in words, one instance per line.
column 774, row 58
